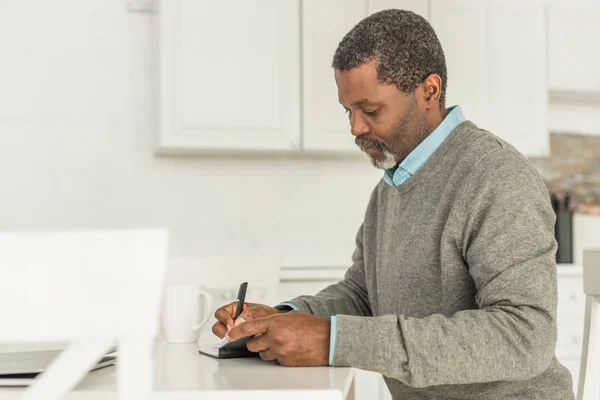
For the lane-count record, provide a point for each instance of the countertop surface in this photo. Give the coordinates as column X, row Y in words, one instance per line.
column 179, row 367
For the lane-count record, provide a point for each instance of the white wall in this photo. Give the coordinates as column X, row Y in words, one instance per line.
column 78, row 126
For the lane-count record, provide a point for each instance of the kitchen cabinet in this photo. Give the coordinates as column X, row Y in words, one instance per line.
column 495, row 54
column 570, row 315
column 230, row 75
column 586, row 234
column 325, row 23
column 257, row 76
column 518, row 92
column 461, row 28
column 572, row 64
column 420, row 7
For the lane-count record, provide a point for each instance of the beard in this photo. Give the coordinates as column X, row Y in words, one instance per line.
column 405, row 135
column 390, row 159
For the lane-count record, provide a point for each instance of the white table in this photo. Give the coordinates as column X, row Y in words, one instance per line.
column 179, row 367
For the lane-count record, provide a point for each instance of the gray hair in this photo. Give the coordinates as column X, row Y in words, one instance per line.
column 403, row 45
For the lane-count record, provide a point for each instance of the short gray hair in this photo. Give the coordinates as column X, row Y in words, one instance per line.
column 402, row 43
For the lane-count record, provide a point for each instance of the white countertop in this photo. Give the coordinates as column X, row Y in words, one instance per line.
column 179, row 367
column 569, row 270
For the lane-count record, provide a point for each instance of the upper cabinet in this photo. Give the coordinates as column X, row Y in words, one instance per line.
column 257, row 75
column 230, row 75
column 461, row 28
column 495, row 54
column 420, row 7
column 573, row 64
column 518, row 90
column 325, row 23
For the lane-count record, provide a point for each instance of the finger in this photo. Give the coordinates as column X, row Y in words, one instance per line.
column 219, row 330
column 249, row 328
column 259, row 343
column 267, row 355
column 251, row 313
column 225, row 314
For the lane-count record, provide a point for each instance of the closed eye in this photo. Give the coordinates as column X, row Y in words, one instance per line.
column 370, row 112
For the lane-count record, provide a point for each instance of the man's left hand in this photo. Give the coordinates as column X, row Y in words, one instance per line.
column 294, row 339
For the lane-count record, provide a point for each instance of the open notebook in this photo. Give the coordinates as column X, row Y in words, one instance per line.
column 235, row 349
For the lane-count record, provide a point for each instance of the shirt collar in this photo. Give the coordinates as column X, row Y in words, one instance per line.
column 415, row 160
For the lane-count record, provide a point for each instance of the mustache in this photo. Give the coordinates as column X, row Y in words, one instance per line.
column 365, row 143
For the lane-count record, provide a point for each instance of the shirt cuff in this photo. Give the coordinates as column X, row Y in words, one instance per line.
column 283, row 306
column 332, row 335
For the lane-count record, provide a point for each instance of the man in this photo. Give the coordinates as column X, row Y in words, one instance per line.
column 452, row 291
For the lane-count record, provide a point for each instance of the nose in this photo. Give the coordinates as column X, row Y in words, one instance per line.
column 358, row 125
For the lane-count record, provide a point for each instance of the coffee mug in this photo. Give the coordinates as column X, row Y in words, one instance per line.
column 185, row 309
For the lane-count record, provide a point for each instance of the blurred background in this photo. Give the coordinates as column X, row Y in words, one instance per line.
column 224, row 125
column 219, row 119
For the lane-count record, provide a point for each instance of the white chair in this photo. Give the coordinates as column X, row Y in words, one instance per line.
column 589, row 374
column 92, row 289
column 222, row 275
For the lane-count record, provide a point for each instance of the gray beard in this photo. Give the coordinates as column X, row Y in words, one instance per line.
column 390, row 159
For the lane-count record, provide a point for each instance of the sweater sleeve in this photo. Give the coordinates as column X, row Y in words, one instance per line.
column 504, row 229
column 349, row 296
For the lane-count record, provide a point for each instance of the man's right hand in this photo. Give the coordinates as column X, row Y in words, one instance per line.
column 225, row 314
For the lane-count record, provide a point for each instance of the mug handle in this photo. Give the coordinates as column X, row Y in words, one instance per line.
column 209, row 305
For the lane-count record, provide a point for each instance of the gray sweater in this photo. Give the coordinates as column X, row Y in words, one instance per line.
column 452, row 292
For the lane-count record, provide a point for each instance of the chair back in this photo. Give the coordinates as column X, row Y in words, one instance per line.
column 92, row 289
column 589, row 372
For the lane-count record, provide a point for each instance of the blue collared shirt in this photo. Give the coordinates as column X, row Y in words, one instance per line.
column 415, row 160
column 400, row 174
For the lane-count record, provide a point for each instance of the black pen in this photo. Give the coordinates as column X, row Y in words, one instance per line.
column 241, row 297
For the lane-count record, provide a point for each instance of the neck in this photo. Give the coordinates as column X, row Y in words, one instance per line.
column 435, row 118
column 432, row 120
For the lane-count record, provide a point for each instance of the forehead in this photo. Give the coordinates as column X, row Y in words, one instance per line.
column 360, row 84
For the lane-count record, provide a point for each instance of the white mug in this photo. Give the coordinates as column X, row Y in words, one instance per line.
column 185, row 309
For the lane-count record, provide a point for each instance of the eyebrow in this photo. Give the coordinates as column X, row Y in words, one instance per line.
column 362, row 103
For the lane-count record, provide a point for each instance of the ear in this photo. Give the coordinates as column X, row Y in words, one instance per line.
column 431, row 91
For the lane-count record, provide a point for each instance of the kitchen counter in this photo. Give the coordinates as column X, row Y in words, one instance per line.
column 180, row 368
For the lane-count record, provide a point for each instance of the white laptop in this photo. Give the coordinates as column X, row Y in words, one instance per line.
column 21, row 367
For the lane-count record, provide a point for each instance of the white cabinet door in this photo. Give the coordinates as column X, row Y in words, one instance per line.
column 325, row 23
column 573, row 56
column 570, row 310
column 460, row 26
column 495, row 54
column 420, row 7
column 518, row 93
column 230, row 75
